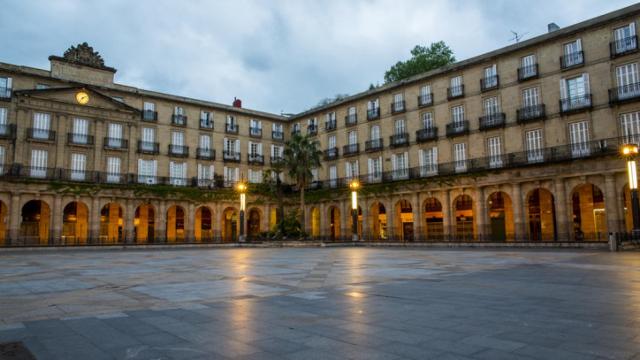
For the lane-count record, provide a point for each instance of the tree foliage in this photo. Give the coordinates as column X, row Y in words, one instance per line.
column 301, row 154
column 423, row 59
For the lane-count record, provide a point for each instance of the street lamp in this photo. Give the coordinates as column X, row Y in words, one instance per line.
column 241, row 187
column 354, row 185
column 630, row 152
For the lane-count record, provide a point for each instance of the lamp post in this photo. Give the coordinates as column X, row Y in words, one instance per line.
column 241, row 187
column 354, row 185
column 630, row 152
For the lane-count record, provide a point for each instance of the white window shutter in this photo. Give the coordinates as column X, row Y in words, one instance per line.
column 579, row 44
column 563, row 89
column 370, row 166
column 9, row 83
column 434, row 155
column 237, row 145
column 421, row 155
column 632, row 27
column 260, row 148
column 394, row 165
column 585, row 78
column 140, row 164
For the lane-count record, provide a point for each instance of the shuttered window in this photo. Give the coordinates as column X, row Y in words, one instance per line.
column 533, row 140
column 630, row 127
column 428, row 161
column 113, row 169
column 147, row 171
column 460, row 157
column 39, row 163
column 579, row 137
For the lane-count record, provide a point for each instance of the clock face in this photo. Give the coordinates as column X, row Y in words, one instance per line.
column 82, row 97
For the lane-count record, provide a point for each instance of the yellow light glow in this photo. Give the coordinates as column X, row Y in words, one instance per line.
column 243, row 201
column 354, row 200
column 633, row 175
column 354, row 185
column 629, row 149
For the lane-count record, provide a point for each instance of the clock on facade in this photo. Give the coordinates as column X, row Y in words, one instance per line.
column 82, row 97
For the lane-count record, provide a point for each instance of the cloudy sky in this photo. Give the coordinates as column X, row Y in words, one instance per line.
column 277, row 56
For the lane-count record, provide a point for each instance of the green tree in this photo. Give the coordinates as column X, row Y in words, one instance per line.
column 301, row 154
column 423, row 59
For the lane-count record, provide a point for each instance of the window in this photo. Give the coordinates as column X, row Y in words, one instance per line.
column 400, row 127
column 276, row 127
column 375, row 132
column 296, row 128
column 494, row 147
column 528, row 66
column 624, row 38
column 628, row 81
column 460, row 157
column 427, row 120
column 255, row 127
column 41, row 125
column 400, row 166
column 630, row 127
column 255, row 149
column 114, row 135
column 331, row 142
column 579, row 137
column 38, row 163
column 333, row 176
column 375, row 169
column 351, row 111
column 425, row 95
column 398, row 102
column 206, row 175
column 147, row 171
column 4, row 129
column 277, row 152
column 351, row 169
column 178, row 110
column 457, row 115
column 113, row 169
column 177, row 142
column 575, row 92
column 428, row 161
column 314, row 175
column 205, row 146
column 78, row 166
column 255, row 176
column 533, row 140
column 232, row 148
column 148, row 139
column 352, row 137
column 572, row 54
column 373, row 105
column 530, row 97
column 80, row 131
column 178, row 173
column 491, row 106
column 2, row 152
column 456, row 86
column 206, row 119
column 5, row 87
column 230, row 175
column 490, row 77
column 149, row 106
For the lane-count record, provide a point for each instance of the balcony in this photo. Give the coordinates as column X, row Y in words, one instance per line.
column 115, row 143
column 255, row 159
column 398, row 107
column 623, row 46
column 231, row 128
column 276, row 160
column 205, row 154
column 79, row 139
column 351, row 120
column 178, row 150
column 231, row 156
column 492, row 121
column 179, row 120
column 489, row 83
column 373, row 114
column 350, row 150
column 624, row 94
column 374, row 145
column 206, row 123
column 148, row 147
column 330, row 125
column 41, row 135
column 528, row 72
column 398, row 140
column 149, row 115
column 5, row 93
column 572, row 60
column 575, row 104
column 531, row 113
column 455, row 92
column 458, row 128
column 277, row 135
column 312, row 130
column 331, row 154
column 255, row 132
column 8, row 131
column 428, row 134
column 425, row 100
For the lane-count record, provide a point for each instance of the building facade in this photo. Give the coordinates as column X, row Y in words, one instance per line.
column 519, row 144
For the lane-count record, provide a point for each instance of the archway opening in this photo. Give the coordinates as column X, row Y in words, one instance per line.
column 111, row 224
column 144, row 224
column 434, row 219
column 500, row 214
column 35, row 224
column 3, row 222
column 588, row 213
column 463, row 207
column 315, row 222
column 378, row 221
column 175, row 224
column 230, row 225
column 75, row 223
column 404, row 221
column 253, row 223
column 334, row 223
column 542, row 215
column 203, row 225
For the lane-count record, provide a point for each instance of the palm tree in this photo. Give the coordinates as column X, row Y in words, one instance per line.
column 301, row 154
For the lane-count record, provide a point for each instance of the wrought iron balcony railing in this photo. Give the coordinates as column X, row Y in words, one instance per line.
column 575, row 104
column 458, row 128
column 231, row 128
column 330, row 125
column 206, row 123
column 425, row 100
column 255, row 132
column 351, row 120
column 41, row 134
column 205, row 153
column 231, row 156
column 115, row 143
column 428, row 134
column 312, row 130
column 179, row 120
column 277, row 135
column 149, row 115
column 374, row 145
column 492, row 121
column 178, row 150
column 398, row 107
column 80, row 139
column 528, row 72
column 455, row 92
column 624, row 46
column 7, row 131
column 148, row 147
column 350, row 150
column 331, row 154
column 373, row 114
column 571, row 60
column 401, row 139
column 255, row 159
column 489, row 83
column 624, row 94
column 531, row 113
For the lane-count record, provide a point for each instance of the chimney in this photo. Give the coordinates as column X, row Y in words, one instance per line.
column 553, row 27
column 237, row 102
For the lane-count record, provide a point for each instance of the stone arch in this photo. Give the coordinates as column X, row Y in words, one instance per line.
column 253, row 222
column 378, row 221
column 4, row 212
column 433, row 219
column 144, row 221
column 203, row 224
column 111, row 223
column 500, row 215
column 75, row 223
column 464, row 218
column 588, row 213
column 230, row 226
column 541, row 214
column 333, row 214
column 403, row 223
column 176, row 222
column 315, row 222
column 36, row 222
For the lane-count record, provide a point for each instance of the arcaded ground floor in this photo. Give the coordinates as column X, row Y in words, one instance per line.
column 331, row 303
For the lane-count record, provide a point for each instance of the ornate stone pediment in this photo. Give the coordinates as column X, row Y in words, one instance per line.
column 83, row 54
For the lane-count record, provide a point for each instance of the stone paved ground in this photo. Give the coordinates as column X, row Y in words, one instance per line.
column 339, row 303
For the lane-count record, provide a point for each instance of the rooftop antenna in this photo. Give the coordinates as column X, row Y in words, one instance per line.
column 516, row 37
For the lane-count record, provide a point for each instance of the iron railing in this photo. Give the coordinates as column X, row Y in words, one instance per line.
column 178, row 150
column 426, row 134
column 374, row 145
column 489, row 82
column 572, row 60
column 531, row 113
column 528, row 72
column 149, row 115
column 492, row 121
column 7, row 131
column 373, row 114
column 312, row 130
column 401, row 139
column 148, row 147
column 625, row 93
column 575, row 104
column 455, row 92
column 205, row 153
column 41, row 134
column 623, row 46
column 425, row 100
column 80, row 139
column 255, row 159
column 179, row 120
column 231, row 156
column 398, row 107
column 231, row 128
column 350, row 150
column 206, row 123
column 115, row 143
column 457, row 128
column 331, row 154
column 255, row 132
column 351, row 119
column 277, row 135
column 330, row 125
